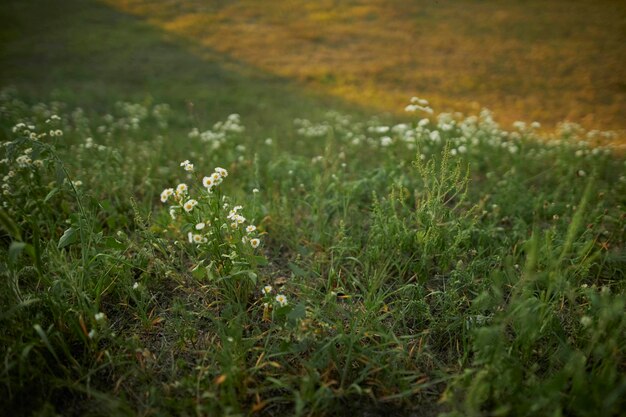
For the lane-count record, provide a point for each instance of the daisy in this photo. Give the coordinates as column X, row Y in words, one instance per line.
column 250, row 228
column 167, row 193
column 267, row 289
column 255, row 242
column 208, row 182
column 189, row 205
column 281, row 299
column 199, row 239
column 200, row 226
column 181, row 188
column 222, row 172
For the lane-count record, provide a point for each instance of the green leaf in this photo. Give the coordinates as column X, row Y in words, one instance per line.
column 297, row 313
column 112, row 243
column 252, row 276
column 260, row 260
column 297, row 271
column 9, row 225
column 15, row 250
column 44, row 339
column 51, row 194
column 69, row 236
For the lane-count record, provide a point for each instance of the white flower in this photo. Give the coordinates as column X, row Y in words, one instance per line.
column 23, row 161
column 135, row 285
column 181, row 189
column 208, row 182
column 250, row 228
column 173, row 213
column 165, row 194
column 189, row 205
column 267, row 289
column 92, row 334
column 99, row 316
column 200, row 226
column 222, row 172
column 255, row 190
column 254, row 242
column 281, row 299
column 199, row 239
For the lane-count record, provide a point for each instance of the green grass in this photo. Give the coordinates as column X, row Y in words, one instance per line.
column 445, row 266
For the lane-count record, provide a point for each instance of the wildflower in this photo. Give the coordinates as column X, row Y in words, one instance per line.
column 199, row 239
column 189, row 167
column 23, row 161
column 181, row 188
column 208, row 182
column 189, row 205
column 244, row 239
column 255, row 190
column 581, row 173
column 200, row 226
column 173, row 213
column 92, row 333
column 250, row 228
column 281, row 299
column 58, row 132
column 99, row 316
column 254, row 242
column 222, row 172
column 267, row 289
column 135, row 285
column 165, row 194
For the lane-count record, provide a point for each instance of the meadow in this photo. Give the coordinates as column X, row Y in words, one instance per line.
column 254, row 248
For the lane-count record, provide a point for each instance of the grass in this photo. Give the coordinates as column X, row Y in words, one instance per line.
column 444, row 266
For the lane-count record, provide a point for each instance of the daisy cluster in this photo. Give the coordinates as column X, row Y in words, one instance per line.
column 474, row 136
column 208, row 218
column 220, row 133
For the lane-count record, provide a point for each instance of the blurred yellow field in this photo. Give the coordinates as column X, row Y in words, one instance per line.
column 533, row 60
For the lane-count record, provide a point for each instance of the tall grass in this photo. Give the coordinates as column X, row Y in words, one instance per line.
column 446, row 265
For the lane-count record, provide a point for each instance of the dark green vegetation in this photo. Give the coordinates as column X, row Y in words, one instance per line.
column 444, row 265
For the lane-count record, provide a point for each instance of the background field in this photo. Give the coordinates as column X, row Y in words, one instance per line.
column 532, row 60
column 420, row 264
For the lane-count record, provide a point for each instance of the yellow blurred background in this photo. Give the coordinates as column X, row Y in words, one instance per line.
column 533, row 60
